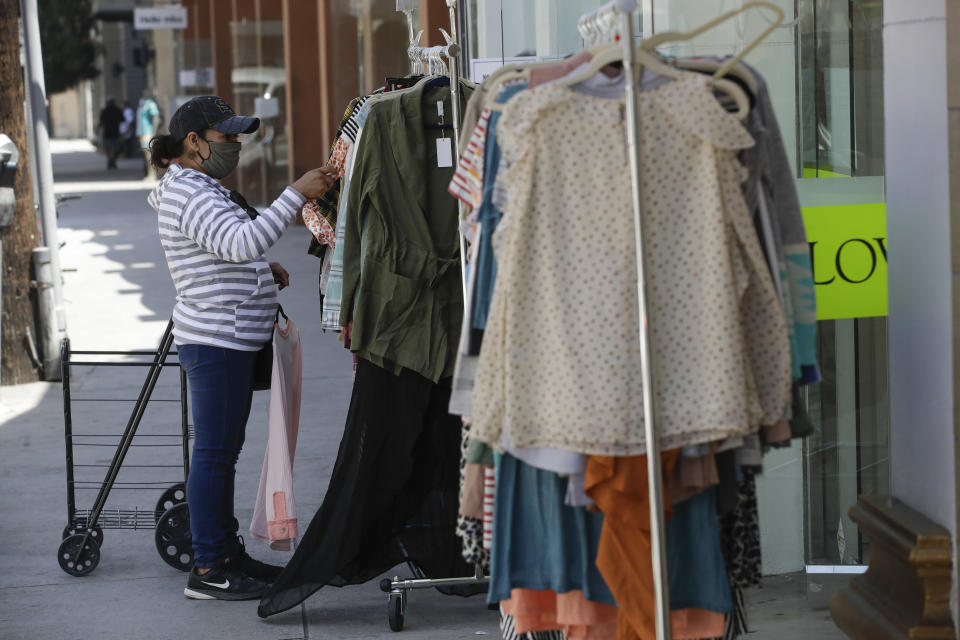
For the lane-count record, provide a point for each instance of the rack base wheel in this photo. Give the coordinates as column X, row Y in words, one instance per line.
column 174, row 542
column 170, row 498
column 71, row 530
column 395, row 606
column 76, row 558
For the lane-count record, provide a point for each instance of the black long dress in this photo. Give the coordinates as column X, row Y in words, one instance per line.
column 393, row 496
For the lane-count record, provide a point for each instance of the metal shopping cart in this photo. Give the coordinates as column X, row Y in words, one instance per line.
column 79, row 552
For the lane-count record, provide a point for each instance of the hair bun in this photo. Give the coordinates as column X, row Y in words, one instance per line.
column 163, row 149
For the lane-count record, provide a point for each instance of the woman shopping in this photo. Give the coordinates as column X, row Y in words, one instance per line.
column 226, row 306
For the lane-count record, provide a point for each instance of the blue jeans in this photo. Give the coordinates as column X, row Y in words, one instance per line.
column 220, row 383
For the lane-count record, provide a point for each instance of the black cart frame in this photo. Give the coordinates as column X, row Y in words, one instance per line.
column 79, row 552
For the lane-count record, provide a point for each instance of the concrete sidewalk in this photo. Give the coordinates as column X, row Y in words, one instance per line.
column 119, row 297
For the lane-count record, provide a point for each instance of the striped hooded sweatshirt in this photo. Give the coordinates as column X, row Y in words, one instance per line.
column 226, row 295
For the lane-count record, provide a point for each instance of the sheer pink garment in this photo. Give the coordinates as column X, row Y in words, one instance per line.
column 275, row 512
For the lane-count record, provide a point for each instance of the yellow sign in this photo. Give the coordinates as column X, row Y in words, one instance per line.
column 848, row 253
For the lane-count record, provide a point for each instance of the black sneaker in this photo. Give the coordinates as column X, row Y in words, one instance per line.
column 253, row 568
column 223, row 582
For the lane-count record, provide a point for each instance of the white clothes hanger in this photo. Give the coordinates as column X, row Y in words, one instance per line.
column 511, row 73
column 493, row 84
column 656, row 40
column 603, row 55
column 610, row 53
column 739, row 71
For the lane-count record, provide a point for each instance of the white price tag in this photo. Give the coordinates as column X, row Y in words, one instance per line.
column 444, row 152
column 440, row 108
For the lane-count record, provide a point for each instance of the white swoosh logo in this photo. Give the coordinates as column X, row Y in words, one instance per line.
column 223, row 585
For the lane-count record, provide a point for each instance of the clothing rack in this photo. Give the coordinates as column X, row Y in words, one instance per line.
column 611, row 32
column 445, row 57
column 612, row 22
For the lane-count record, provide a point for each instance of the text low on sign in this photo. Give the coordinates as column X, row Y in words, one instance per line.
column 848, row 253
column 160, row 18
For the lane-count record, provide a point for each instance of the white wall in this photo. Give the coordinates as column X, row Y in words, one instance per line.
column 918, row 221
column 66, row 114
column 921, row 367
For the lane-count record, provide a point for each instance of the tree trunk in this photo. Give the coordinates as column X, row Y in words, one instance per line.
column 17, row 319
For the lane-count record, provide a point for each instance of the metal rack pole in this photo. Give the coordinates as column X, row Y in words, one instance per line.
column 453, row 55
column 628, row 11
column 454, row 50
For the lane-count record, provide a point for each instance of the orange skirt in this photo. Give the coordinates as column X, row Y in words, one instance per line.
column 619, row 487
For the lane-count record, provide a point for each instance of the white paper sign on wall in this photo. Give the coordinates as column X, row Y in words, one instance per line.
column 160, row 18
column 480, row 68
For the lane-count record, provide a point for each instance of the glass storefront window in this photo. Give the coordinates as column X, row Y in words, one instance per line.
column 368, row 41
column 849, row 452
column 540, row 28
column 840, row 153
column 383, row 39
column 259, row 87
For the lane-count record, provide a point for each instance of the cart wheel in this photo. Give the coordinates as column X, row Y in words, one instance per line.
column 395, row 607
column 97, row 534
column 171, row 497
column 174, row 542
column 76, row 558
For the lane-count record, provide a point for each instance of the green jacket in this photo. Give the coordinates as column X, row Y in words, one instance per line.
column 401, row 264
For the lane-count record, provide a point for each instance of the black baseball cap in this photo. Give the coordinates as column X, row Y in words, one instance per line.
column 209, row 112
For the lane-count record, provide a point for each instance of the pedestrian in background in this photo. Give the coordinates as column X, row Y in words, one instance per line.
column 224, row 315
column 128, row 131
column 109, row 124
column 148, row 126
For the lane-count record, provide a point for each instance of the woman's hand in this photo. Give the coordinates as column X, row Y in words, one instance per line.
column 280, row 275
column 316, row 182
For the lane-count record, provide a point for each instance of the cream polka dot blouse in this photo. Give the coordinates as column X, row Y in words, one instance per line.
column 560, row 364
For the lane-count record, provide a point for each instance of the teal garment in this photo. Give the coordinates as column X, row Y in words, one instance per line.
column 695, row 563
column 146, row 113
column 489, row 215
column 402, row 286
column 538, row 541
column 771, row 196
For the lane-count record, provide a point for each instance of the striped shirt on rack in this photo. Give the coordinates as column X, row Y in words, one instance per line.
column 226, row 294
column 351, row 128
column 467, row 183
